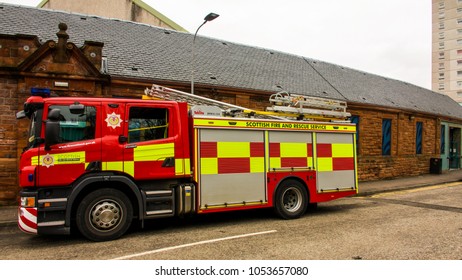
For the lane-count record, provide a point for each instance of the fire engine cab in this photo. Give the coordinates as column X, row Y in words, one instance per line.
column 99, row 164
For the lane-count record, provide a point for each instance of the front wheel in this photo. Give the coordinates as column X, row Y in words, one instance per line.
column 104, row 215
column 291, row 199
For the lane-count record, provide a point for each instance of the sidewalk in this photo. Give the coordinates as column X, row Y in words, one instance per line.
column 8, row 214
column 374, row 187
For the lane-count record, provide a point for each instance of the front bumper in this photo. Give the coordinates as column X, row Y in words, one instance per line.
column 28, row 223
column 27, row 219
column 43, row 211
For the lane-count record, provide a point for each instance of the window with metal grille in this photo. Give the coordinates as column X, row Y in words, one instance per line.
column 418, row 137
column 355, row 120
column 386, row 137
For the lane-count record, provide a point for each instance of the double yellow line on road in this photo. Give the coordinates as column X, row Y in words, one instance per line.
column 419, row 189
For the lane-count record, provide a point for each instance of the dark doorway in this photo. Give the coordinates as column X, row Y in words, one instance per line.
column 454, row 147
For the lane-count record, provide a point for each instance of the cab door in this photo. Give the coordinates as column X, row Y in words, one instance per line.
column 151, row 135
column 78, row 147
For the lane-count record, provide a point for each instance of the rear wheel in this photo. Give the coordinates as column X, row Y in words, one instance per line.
column 104, row 214
column 291, row 199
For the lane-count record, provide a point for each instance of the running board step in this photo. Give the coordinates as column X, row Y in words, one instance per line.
column 159, row 203
column 159, row 212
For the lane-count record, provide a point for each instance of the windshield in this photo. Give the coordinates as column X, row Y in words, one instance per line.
column 34, row 129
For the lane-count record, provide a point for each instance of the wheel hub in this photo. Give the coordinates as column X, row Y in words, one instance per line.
column 292, row 199
column 105, row 215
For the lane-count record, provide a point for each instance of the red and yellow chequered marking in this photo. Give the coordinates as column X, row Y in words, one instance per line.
column 284, row 155
column 232, row 157
column 148, row 154
column 142, row 154
column 335, row 157
column 182, row 166
column 145, row 153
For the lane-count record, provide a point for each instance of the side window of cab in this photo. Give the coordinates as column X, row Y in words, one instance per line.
column 76, row 127
column 146, row 124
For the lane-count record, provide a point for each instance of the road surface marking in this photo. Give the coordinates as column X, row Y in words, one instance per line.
column 441, row 186
column 194, row 244
column 419, row 204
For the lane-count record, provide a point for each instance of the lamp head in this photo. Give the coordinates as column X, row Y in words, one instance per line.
column 211, row 17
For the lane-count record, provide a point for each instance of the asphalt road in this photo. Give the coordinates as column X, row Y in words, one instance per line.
column 420, row 224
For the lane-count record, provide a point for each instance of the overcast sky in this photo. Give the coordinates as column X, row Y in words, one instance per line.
column 390, row 38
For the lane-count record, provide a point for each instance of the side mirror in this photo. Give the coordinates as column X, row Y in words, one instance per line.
column 52, row 128
column 20, row 115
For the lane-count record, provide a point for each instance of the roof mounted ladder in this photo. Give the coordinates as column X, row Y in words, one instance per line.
column 283, row 105
column 200, row 103
column 166, row 93
column 308, row 107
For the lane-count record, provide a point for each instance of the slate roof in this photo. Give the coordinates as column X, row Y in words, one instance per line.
column 142, row 51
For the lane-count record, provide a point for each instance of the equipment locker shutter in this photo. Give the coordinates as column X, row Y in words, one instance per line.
column 335, row 161
column 231, row 165
column 290, row 149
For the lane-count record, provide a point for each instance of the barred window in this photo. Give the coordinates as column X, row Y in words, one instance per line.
column 418, row 137
column 386, row 137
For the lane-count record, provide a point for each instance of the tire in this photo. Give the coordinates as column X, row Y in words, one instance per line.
column 103, row 215
column 291, row 199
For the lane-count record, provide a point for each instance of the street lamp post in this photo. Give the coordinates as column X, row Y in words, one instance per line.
column 207, row 18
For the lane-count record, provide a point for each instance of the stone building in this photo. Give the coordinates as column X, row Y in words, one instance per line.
column 401, row 127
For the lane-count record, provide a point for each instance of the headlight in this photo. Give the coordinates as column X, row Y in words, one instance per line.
column 27, row 201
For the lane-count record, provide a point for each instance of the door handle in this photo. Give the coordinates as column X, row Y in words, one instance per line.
column 169, row 162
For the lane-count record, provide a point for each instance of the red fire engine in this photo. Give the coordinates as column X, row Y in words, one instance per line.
column 99, row 164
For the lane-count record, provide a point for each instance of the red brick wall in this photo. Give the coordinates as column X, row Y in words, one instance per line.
column 403, row 161
column 8, row 141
